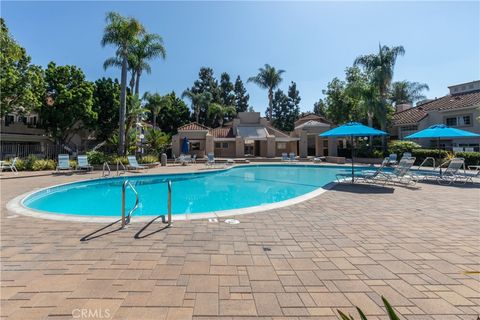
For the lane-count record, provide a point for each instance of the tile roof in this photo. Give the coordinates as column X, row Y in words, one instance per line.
column 449, row 102
column 222, row 132
column 193, row 126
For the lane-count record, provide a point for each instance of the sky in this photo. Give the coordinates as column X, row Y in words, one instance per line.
column 312, row 41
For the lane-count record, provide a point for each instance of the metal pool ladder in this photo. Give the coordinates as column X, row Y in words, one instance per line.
column 126, row 217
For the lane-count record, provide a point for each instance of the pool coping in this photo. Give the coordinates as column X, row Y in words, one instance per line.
column 16, row 205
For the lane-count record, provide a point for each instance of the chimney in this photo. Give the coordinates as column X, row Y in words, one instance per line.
column 403, row 107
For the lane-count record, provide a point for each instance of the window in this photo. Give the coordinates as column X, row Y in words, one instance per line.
column 221, row 145
column 281, row 145
column 9, row 119
column 218, row 145
column 195, row 145
column 451, row 122
column 225, row 145
column 463, row 120
column 409, row 128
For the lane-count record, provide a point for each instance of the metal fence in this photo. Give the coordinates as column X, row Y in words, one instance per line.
column 11, row 150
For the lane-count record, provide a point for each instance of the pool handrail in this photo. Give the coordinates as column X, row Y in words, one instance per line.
column 126, row 218
column 119, row 163
column 105, row 165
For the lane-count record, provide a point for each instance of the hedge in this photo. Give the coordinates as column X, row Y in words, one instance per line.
column 399, row 147
column 471, row 158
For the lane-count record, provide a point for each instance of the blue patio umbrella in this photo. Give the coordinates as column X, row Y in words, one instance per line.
column 185, row 146
column 439, row 131
column 352, row 130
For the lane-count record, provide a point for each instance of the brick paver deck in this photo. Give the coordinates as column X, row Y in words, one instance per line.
column 417, row 247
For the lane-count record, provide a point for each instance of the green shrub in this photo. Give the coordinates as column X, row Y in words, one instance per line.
column 471, row 158
column 44, row 165
column 30, row 162
column 97, row 157
column 148, row 159
column 20, row 164
column 439, row 155
column 123, row 160
column 392, row 315
column 400, row 147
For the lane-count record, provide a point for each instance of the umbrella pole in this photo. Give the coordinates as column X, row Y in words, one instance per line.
column 438, row 148
column 353, row 169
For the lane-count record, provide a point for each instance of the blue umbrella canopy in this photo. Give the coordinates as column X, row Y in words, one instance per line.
column 353, row 129
column 441, row 131
column 185, row 145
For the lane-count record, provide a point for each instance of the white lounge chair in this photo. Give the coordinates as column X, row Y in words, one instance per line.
column 82, row 163
column 319, row 159
column 133, row 163
column 392, row 159
column 368, row 176
column 292, row 157
column 210, row 160
column 63, row 162
column 284, row 156
column 452, row 173
column 406, row 155
column 9, row 165
column 401, row 174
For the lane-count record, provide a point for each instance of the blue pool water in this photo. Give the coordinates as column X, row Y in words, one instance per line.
column 238, row 187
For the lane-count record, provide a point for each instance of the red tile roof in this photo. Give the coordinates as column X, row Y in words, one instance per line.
column 222, row 132
column 193, row 126
column 449, row 102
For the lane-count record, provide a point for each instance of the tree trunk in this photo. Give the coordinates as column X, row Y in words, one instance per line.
column 123, row 108
column 132, row 80
column 137, row 84
column 154, row 120
column 370, row 124
column 270, row 105
column 197, row 114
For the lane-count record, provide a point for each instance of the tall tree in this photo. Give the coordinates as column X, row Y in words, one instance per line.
column 286, row 108
column 22, row 84
column 320, row 108
column 122, row 33
column 407, row 92
column 155, row 103
column 241, row 96
column 268, row 78
column 106, row 102
column 219, row 112
column 207, row 85
column 136, row 112
column 148, row 47
column 200, row 101
column 174, row 114
column 340, row 108
column 380, row 67
column 69, row 108
column 226, row 90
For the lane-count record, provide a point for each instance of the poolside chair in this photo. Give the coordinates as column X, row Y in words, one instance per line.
column 392, row 159
column 133, row 163
column 11, row 165
column 194, row 159
column 292, row 157
column 284, row 156
column 452, row 173
column 401, row 174
column 187, row 159
column 407, row 155
column 63, row 162
column 319, row 159
column 368, row 176
column 210, row 160
column 82, row 163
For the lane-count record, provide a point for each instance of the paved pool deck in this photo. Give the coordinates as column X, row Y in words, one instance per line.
column 418, row 247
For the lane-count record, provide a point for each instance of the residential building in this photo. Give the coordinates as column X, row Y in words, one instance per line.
column 251, row 135
column 459, row 109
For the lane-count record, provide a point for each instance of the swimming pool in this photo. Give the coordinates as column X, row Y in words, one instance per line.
column 193, row 193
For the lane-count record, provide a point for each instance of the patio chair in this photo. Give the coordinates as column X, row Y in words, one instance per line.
column 284, row 156
column 194, row 159
column 133, row 163
column 401, row 174
column 368, row 176
column 392, row 159
column 319, row 159
column 11, row 165
column 63, row 162
column 452, row 173
column 292, row 157
column 406, row 155
column 187, row 159
column 82, row 163
column 210, row 160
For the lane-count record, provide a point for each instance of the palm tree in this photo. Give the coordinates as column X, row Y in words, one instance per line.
column 380, row 68
column 198, row 101
column 149, row 47
column 156, row 103
column 135, row 113
column 121, row 32
column 219, row 111
column 268, row 78
column 407, row 92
